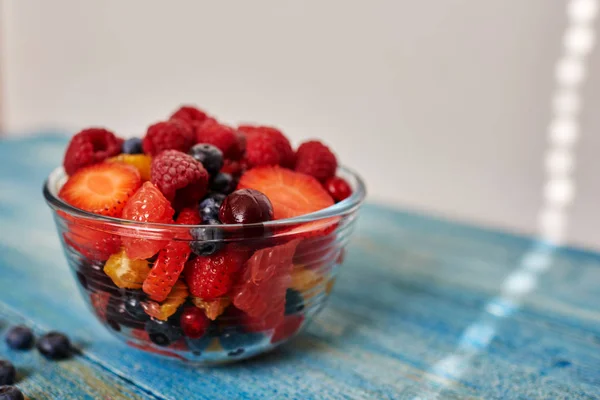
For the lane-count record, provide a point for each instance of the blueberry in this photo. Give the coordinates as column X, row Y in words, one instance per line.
column 163, row 333
column 55, row 346
column 117, row 315
column 210, row 157
column 19, row 338
column 133, row 306
column 207, row 240
column 10, row 393
column 223, row 183
column 7, row 373
column 198, row 346
column 294, row 302
column 132, row 146
column 209, row 207
column 235, row 341
column 93, row 279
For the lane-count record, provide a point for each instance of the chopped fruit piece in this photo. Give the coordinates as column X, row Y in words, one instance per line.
column 330, row 285
column 141, row 162
column 212, row 276
column 264, row 280
column 91, row 243
column 193, row 322
column 102, row 188
column 132, row 146
column 147, row 205
column 315, row 159
column 99, row 302
column 181, row 178
column 170, row 262
column 265, row 322
column 315, row 252
column 189, row 114
column 126, row 273
column 212, row 308
column 338, row 188
column 291, row 193
column 275, row 137
column 246, row 206
column 167, row 308
column 221, row 136
column 163, row 333
column 55, row 346
column 287, row 328
column 294, row 302
column 304, row 280
column 168, row 135
column 90, row 146
column 211, row 157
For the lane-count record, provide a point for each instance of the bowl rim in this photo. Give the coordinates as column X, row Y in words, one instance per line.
column 344, row 207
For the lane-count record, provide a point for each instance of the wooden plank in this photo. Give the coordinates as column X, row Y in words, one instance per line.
column 410, row 317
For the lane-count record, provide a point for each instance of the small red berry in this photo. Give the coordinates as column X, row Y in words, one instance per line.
column 90, row 146
column 189, row 114
column 168, row 135
column 193, row 322
column 246, row 206
column 275, row 138
column 338, row 188
column 315, row 159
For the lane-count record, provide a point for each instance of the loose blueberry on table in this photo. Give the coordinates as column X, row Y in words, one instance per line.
column 19, row 338
column 194, row 171
column 10, row 393
column 7, row 373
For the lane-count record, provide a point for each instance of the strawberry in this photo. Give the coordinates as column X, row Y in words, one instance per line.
column 170, row 261
column 147, row 205
column 101, row 188
column 291, row 193
column 264, row 280
column 90, row 240
column 213, row 276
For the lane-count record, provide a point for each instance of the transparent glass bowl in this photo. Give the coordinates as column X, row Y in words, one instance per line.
column 289, row 273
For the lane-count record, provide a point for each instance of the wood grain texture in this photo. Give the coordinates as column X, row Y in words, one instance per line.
column 422, row 309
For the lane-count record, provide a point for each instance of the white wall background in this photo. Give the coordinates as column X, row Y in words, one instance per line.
column 443, row 105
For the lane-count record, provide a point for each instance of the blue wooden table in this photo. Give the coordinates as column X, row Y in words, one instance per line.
column 422, row 309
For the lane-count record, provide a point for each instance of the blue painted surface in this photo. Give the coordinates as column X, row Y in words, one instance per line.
column 423, row 308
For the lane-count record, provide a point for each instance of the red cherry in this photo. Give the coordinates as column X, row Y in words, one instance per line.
column 338, row 188
column 246, row 206
column 193, row 322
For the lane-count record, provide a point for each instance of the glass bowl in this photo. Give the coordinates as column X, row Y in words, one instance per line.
column 289, row 272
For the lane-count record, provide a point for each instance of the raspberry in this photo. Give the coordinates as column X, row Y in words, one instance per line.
column 261, row 150
column 168, row 135
column 212, row 276
column 189, row 114
column 170, row 261
column 221, row 136
column 315, row 159
column 181, row 178
column 90, row 146
column 287, row 157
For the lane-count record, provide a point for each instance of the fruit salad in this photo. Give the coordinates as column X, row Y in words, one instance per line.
column 187, row 241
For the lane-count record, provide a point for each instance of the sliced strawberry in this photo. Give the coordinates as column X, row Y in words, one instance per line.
column 171, row 261
column 101, row 188
column 291, row 193
column 147, row 205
